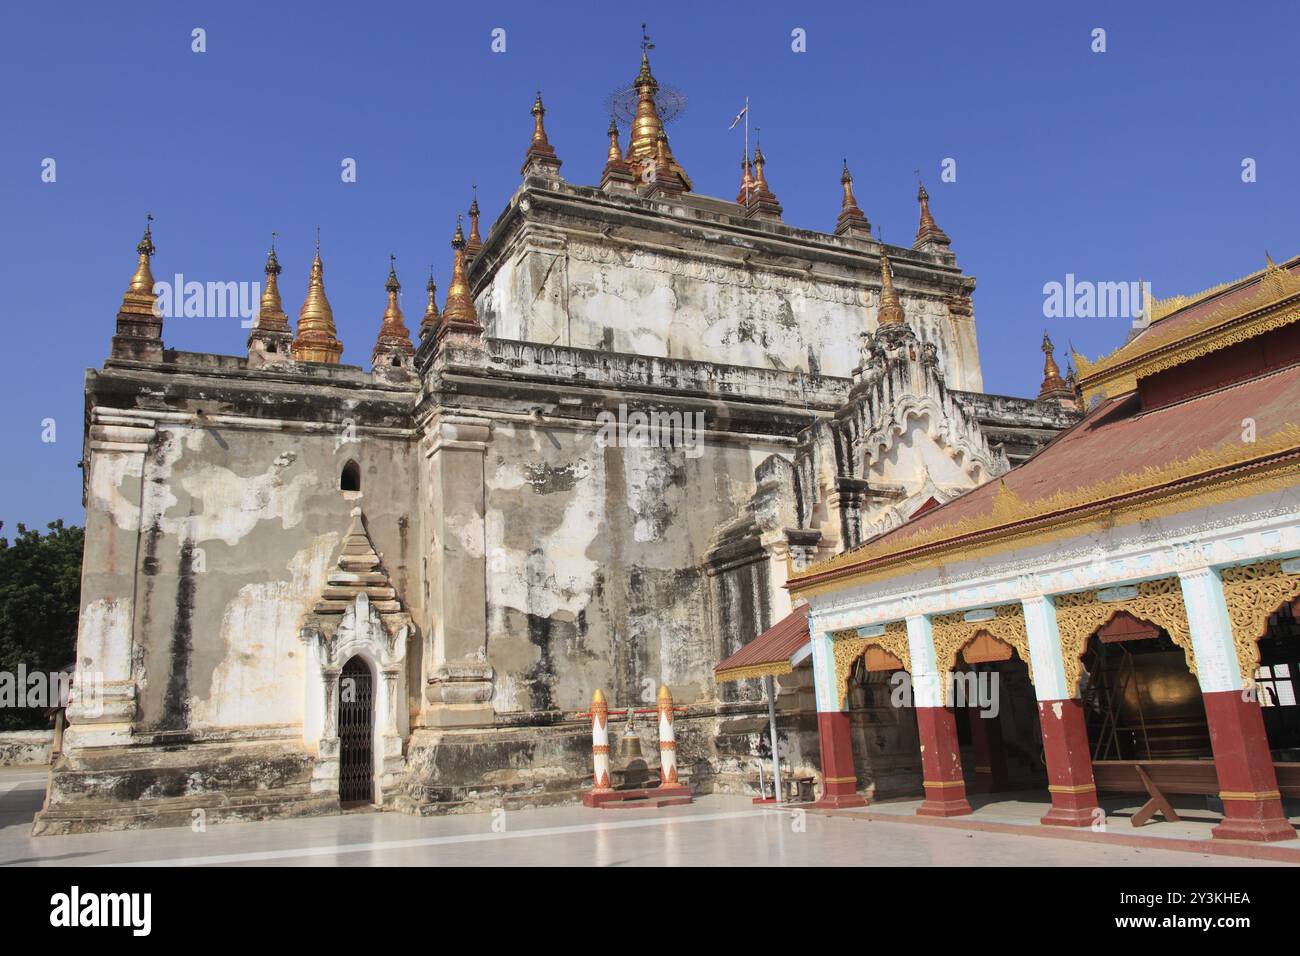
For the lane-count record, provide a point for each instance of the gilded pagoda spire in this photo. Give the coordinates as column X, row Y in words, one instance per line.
column 647, row 126
column 270, row 337
column 928, row 232
column 317, row 340
column 142, row 280
column 746, row 180
column 763, row 202
column 615, row 153
column 459, row 315
column 431, row 318
column 1054, row 386
column 891, row 309
column 475, row 242
column 852, row 222
column 393, row 347
column 617, row 175
column 138, row 334
column 540, row 158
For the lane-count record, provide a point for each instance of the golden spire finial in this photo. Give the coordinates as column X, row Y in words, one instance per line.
column 929, row 230
column 394, row 342
column 431, row 316
column 459, row 313
column 475, row 242
column 746, row 180
column 891, row 309
column 142, row 280
column 271, row 307
column 846, row 180
column 851, row 221
column 1054, row 386
column 317, row 340
column 539, row 130
column 615, row 154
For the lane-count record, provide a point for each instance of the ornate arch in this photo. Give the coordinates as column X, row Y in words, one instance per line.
column 1078, row 616
column 848, row 645
column 1253, row 593
column 952, row 632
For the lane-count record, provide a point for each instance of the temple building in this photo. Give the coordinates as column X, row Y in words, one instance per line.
column 1129, row 596
column 309, row 584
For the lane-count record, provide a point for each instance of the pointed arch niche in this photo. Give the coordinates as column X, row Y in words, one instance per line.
column 359, row 615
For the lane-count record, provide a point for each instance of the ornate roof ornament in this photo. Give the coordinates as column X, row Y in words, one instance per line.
column 1054, row 387
column 393, row 346
column 540, row 158
column 270, row 337
column 475, row 242
column 891, row 309
column 459, row 315
column 317, row 340
column 852, row 221
column 431, row 318
column 138, row 333
column 928, row 233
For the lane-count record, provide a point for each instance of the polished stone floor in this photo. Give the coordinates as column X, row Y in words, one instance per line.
column 714, row 831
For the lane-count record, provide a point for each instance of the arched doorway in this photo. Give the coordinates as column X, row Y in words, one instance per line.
column 997, row 717
column 886, row 744
column 356, row 709
column 1278, row 682
column 1140, row 699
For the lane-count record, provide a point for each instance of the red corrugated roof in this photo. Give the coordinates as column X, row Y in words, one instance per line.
column 1116, row 439
column 770, row 652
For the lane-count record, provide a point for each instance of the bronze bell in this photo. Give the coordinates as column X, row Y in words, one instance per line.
column 629, row 742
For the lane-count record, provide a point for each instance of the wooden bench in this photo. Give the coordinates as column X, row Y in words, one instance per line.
column 1175, row 777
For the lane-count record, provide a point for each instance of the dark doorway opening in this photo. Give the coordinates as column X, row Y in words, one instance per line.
column 356, row 733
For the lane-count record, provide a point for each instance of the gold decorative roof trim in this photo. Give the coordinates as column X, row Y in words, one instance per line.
column 1231, row 472
column 768, row 669
column 952, row 632
column 1158, row 348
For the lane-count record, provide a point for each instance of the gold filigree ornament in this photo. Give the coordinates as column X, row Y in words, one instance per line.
column 1253, row 594
column 951, row 633
column 1273, row 303
column 848, row 645
column 1078, row 615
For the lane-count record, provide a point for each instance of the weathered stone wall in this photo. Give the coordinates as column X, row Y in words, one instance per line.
column 690, row 279
column 25, row 748
column 596, row 564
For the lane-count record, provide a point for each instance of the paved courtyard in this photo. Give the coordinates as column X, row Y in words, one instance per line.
column 714, row 831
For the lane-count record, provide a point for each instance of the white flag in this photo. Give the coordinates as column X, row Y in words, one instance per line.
column 739, row 116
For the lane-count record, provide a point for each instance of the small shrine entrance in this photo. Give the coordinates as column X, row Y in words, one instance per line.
column 356, row 712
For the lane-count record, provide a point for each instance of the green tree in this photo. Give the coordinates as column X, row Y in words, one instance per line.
column 40, row 596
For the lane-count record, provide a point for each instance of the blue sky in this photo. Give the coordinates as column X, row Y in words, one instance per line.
column 1111, row 166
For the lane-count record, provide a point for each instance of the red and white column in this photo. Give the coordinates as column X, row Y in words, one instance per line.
column 1252, row 805
column 839, row 779
column 600, row 741
column 1061, row 719
column 667, row 739
column 945, row 789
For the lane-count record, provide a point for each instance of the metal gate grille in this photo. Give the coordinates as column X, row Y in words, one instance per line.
column 356, row 733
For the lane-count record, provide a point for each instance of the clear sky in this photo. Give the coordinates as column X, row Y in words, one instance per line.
column 1112, row 166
